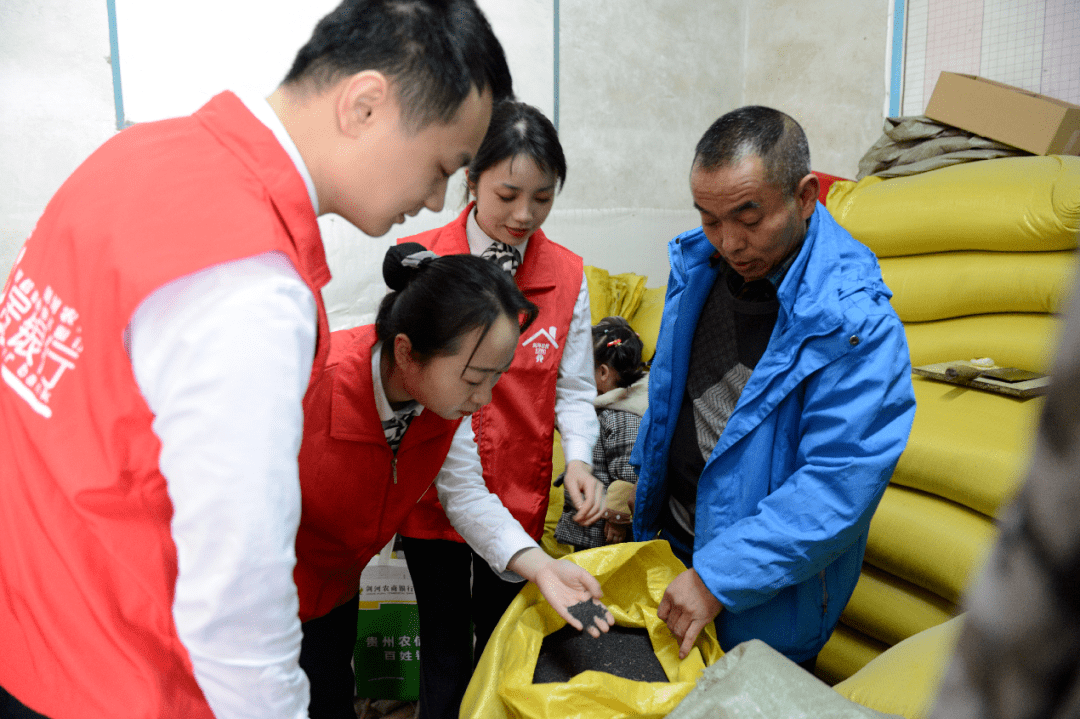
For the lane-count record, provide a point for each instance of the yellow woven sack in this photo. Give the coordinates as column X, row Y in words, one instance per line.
column 555, row 504
column 955, row 284
column 634, row 576
column 613, row 294
column 905, row 679
column 1012, row 204
column 646, row 321
column 967, row 445
column 1014, row 340
column 847, row 651
column 929, row 541
column 890, row 609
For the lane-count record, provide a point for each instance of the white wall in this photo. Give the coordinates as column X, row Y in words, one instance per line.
column 640, row 81
column 56, row 105
column 824, row 64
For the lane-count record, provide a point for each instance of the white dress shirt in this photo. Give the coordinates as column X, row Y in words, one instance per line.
column 575, row 388
column 223, row 357
column 478, row 515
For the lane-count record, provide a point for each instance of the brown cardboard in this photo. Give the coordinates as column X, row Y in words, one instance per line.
column 1027, row 120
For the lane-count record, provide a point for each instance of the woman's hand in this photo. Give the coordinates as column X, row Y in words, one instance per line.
column 586, row 493
column 563, row 585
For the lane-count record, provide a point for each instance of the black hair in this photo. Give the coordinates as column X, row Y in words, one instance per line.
column 434, row 51
column 762, row 131
column 519, row 129
column 619, row 347
column 435, row 300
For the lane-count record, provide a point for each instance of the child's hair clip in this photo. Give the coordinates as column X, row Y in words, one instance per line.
column 615, row 342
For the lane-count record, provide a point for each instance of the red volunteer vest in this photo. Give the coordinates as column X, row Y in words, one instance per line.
column 355, row 492
column 88, row 566
column 514, row 433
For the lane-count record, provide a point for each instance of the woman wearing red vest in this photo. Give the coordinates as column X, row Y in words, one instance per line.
column 550, row 383
column 381, row 427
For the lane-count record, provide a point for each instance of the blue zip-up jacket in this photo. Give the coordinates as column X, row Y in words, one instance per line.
column 784, row 501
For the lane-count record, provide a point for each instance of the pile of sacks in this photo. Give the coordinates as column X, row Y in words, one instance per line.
column 980, row 258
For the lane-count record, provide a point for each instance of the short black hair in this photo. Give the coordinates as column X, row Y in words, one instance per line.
column 772, row 135
column 436, row 300
column 519, row 129
column 434, row 51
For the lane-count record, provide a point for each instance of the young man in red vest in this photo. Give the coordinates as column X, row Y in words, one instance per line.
column 157, row 335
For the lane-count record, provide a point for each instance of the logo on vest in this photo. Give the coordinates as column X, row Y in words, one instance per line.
column 40, row 340
column 541, row 342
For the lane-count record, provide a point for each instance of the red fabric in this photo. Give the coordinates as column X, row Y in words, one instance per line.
column 826, row 182
column 355, row 493
column 514, row 433
column 88, row 566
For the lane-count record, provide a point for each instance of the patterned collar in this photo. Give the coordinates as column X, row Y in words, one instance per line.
column 480, row 241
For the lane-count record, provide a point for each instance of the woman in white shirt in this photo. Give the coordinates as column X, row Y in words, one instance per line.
column 381, row 426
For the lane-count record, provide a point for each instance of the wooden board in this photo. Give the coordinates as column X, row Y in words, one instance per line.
column 1028, row 388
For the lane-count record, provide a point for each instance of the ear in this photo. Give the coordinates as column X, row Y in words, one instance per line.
column 605, row 372
column 806, row 195
column 403, row 354
column 469, row 183
column 362, row 99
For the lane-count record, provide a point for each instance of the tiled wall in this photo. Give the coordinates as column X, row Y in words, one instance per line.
column 1032, row 44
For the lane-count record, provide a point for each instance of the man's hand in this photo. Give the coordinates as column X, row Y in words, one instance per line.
column 686, row 608
column 586, row 493
column 563, row 585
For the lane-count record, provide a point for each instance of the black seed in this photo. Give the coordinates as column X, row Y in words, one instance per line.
column 625, row 652
column 586, row 612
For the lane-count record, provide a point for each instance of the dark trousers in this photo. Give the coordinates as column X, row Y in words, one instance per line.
column 326, row 657
column 449, row 609
column 12, row 708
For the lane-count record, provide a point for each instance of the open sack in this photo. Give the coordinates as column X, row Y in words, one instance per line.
column 633, row 576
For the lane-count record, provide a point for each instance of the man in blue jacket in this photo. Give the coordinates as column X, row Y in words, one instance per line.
column 780, row 398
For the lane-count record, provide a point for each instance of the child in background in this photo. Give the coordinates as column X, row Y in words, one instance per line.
column 622, row 385
column 513, row 178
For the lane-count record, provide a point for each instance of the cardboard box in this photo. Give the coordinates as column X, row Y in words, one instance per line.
column 1027, row 120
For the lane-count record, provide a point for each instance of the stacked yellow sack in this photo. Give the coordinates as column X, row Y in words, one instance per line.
column 904, row 680
column 980, row 258
column 976, row 254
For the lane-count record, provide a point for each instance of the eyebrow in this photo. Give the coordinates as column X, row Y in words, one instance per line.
column 504, row 368
column 515, row 188
column 749, row 205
